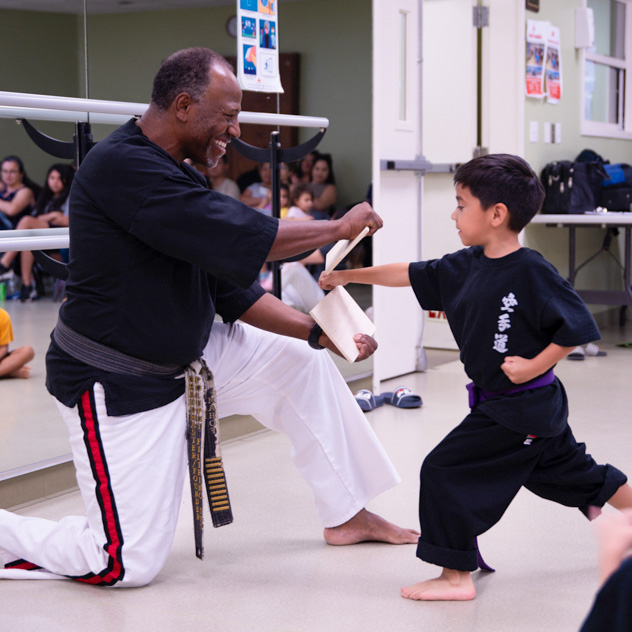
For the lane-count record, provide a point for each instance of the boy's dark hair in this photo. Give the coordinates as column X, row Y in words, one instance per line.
column 503, row 179
column 298, row 190
column 188, row 71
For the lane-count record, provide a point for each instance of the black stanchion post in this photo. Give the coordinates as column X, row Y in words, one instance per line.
column 276, row 204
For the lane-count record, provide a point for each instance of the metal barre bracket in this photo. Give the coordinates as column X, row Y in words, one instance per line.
column 421, row 164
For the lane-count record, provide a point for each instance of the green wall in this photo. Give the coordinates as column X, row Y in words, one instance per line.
column 553, row 242
column 335, row 82
column 39, row 53
column 568, row 111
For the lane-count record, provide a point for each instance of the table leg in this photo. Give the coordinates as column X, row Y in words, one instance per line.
column 571, row 255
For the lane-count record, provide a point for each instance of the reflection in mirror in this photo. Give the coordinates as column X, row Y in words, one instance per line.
column 47, row 49
column 48, row 53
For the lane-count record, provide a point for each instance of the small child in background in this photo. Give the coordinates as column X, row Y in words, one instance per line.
column 284, row 200
column 514, row 318
column 12, row 363
column 302, row 203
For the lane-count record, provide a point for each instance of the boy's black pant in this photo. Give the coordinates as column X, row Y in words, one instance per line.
column 471, row 477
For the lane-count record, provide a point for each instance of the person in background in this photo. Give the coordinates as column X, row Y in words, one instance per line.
column 17, row 198
column 323, row 187
column 12, row 363
column 259, row 194
column 303, row 171
column 51, row 211
column 284, row 200
column 220, row 182
column 302, row 203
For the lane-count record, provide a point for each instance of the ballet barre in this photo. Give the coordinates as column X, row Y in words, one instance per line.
column 20, row 105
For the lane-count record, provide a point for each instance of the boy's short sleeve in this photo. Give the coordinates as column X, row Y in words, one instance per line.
column 424, row 278
column 567, row 319
column 6, row 330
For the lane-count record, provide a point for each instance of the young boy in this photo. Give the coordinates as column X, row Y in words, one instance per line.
column 12, row 363
column 514, row 317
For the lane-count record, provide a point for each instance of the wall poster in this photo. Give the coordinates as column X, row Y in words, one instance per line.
column 258, row 45
column 543, row 76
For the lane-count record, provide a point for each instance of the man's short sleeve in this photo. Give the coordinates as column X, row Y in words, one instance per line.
column 231, row 302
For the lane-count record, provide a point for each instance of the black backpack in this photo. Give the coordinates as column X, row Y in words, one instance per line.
column 573, row 187
column 616, row 190
column 557, row 179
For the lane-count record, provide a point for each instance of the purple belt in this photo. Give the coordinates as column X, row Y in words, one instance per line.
column 477, row 395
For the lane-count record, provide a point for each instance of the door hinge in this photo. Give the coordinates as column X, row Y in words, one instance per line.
column 480, row 16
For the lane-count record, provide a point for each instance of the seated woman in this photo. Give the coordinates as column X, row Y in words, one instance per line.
column 16, row 197
column 259, row 194
column 51, row 211
column 323, row 187
column 302, row 173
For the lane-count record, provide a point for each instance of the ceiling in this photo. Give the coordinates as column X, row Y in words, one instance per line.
column 111, row 6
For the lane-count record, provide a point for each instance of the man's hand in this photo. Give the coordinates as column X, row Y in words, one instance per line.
column 358, row 217
column 365, row 344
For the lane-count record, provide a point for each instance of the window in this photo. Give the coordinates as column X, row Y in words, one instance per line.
column 607, row 97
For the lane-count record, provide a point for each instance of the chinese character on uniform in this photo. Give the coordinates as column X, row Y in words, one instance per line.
column 503, row 322
column 500, row 343
column 509, row 302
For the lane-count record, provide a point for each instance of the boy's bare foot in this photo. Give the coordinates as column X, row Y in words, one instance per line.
column 369, row 527
column 24, row 372
column 451, row 585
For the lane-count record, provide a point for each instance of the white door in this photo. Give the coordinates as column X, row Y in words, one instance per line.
column 396, row 193
column 435, row 101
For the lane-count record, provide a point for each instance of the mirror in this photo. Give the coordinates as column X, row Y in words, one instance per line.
column 125, row 47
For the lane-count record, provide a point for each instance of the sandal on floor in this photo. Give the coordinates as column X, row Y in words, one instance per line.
column 594, row 350
column 367, row 400
column 577, row 353
column 403, row 398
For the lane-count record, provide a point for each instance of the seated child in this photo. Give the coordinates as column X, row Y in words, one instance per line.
column 302, row 202
column 284, row 200
column 514, row 317
column 12, row 363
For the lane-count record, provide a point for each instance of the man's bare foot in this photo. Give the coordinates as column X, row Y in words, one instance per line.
column 451, row 585
column 369, row 527
column 24, row 372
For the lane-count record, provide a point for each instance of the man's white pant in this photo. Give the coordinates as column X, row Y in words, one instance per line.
column 131, row 469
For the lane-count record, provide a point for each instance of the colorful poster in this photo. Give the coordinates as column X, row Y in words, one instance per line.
column 537, row 32
column 258, row 46
column 553, row 65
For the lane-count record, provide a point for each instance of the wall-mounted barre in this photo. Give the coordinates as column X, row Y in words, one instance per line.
column 36, row 239
column 19, row 105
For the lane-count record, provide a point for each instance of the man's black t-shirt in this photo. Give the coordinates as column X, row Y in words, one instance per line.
column 511, row 306
column 153, row 256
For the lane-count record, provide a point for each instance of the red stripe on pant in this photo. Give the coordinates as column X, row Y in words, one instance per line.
column 103, row 490
column 22, row 565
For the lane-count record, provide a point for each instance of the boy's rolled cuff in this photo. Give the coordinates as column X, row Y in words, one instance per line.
column 447, row 558
column 614, row 479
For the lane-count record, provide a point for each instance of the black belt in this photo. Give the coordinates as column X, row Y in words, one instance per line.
column 202, row 422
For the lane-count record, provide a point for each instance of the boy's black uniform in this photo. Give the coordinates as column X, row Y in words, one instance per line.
column 511, row 306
